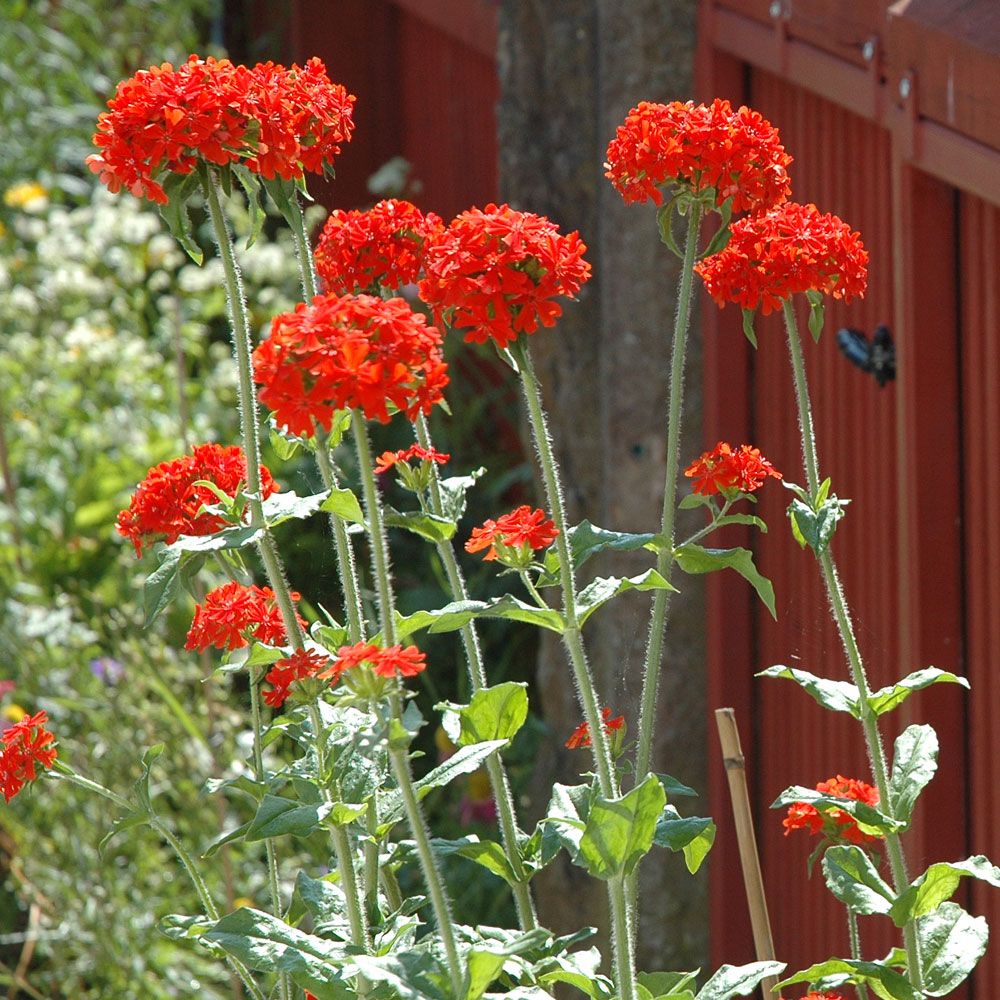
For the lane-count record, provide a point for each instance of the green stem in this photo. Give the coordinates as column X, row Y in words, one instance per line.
column 398, row 758
column 625, row 980
column 852, row 930
column 702, row 532
column 240, row 328
column 531, row 589
column 499, row 784
column 303, row 249
column 187, row 862
column 664, row 558
column 842, row 618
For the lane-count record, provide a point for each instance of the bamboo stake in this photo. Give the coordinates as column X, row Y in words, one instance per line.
column 732, row 755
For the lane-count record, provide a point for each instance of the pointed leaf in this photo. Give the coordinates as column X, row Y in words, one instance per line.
column 429, row 526
column 738, row 981
column 748, row 331
column 886, row 699
column 343, row 504
column 250, row 182
column 939, row 883
column 179, row 188
column 674, row 788
column 413, row 975
column 482, row 967
column 869, row 819
column 280, row 507
column 696, row 559
column 816, row 526
column 486, row 853
column 883, row 981
column 951, row 944
column 838, row 696
column 854, row 880
column 914, row 763
column 620, row 831
column 237, row 537
column 453, row 492
column 586, row 540
column 277, row 816
column 160, row 587
column 495, row 713
column 694, row 835
column 600, row 590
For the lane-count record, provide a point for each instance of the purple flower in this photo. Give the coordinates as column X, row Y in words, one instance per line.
column 107, row 669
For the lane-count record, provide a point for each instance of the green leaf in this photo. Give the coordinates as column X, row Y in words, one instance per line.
column 883, row 981
column 486, row 853
column 250, row 182
column 586, row 540
column 668, row 984
column 482, row 967
column 665, row 224
column 673, row 787
column 720, row 239
column 951, row 944
column 696, row 559
column 564, row 821
column 277, row 816
column 600, row 590
column 620, row 831
column 738, row 980
column 280, row 507
column 429, row 526
column 854, row 880
column 161, row 585
column 815, row 527
column 453, row 492
column 343, row 504
column 459, row 613
column 267, row 944
column 413, row 975
column 323, row 900
column 750, row 519
column 886, row 699
column 284, row 445
column 237, row 537
column 816, row 319
column 178, row 188
column 131, row 820
column 914, row 763
column 939, row 883
column 495, row 713
column 748, row 332
column 694, row 835
column 838, row 696
column 462, row 761
column 869, row 819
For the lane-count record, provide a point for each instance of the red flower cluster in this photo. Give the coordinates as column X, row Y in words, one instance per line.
column 388, row 459
column 278, row 121
column 581, row 735
column 795, row 248
column 723, row 469
column 380, row 248
column 738, row 153
column 350, row 351
column 166, row 503
column 498, row 272
column 390, row 661
column 523, row 528
column 302, row 663
column 26, row 746
column 835, row 825
column 232, row 612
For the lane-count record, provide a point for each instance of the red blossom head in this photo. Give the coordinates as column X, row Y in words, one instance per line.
column 383, row 663
column 301, row 664
column 696, row 147
column 380, row 248
column 499, row 273
column 166, row 503
column 24, row 748
column 390, row 458
column 233, row 614
column 581, row 735
column 794, row 248
column 726, row 470
column 349, row 352
column 522, row 530
column 277, row 121
column 835, row 825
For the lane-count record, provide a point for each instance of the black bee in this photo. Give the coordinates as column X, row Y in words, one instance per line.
column 878, row 356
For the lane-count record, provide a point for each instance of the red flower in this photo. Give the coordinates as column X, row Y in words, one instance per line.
column 738, row 153
column 27, row 746
column 723, row 469
column 391, row 661
column 350, row 351
column 836, row 825
column 166, row 503
column 277, row 121
column 523, row 528
column 581, row 735
column 302, row 663
column 380, row 248
column 389, row 458
column 794, row 248
column 232, row 613
column 499, row 271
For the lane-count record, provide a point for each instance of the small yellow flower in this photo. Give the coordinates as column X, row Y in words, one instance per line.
column 23, row 194
column 13, row 712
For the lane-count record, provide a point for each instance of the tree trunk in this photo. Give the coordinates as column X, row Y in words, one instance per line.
column 570, row 70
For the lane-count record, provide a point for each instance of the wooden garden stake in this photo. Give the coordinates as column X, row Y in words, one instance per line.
column 732, row 755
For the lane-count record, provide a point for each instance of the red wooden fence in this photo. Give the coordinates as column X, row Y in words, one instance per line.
column 889, row 118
